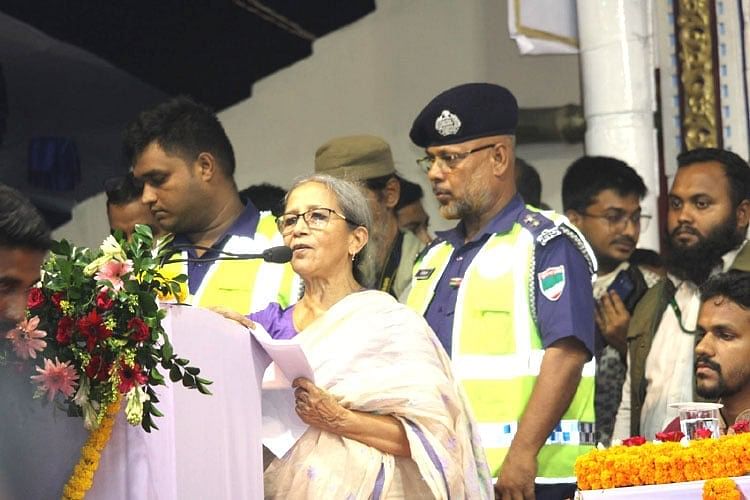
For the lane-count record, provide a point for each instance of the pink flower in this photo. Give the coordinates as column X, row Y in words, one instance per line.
column 26, row 338
column 56, row 376
column 113, row 272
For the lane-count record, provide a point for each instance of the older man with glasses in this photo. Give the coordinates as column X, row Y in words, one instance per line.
column 508, row 292
column 602, row 197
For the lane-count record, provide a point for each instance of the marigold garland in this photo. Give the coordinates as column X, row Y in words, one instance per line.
column 664, row 463
column 721, row 489
column 82, row 479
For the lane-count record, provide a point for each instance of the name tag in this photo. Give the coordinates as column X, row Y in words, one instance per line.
column 424, row 274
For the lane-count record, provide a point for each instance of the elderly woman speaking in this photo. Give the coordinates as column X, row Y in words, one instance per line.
column 387, row 419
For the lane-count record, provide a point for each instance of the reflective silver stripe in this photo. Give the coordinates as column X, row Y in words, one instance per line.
column 555, row 480
column 567, row 432
column 506, row 366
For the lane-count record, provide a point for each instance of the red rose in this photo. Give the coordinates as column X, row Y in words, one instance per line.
column 98, row 368
column 93, row 330
column 634, row 441
column 56, row 298
column 139, row 330
column 35, row 298
column 669, row 436
column 741, row 427
column 130, row 376
column 103, row 301
column 703, row 433
column 64, row 332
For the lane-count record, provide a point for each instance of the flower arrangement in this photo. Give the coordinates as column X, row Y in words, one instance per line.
column 93, row 331
column 721, row 489
column 664, row 462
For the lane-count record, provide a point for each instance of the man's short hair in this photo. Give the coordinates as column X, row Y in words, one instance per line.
column 734, row 285
column 264, row 197
column 528, row 183
column 21, row 224
column 181, row 127
column 123, row 190
column 735, row 168
column 410, row 192
column 590, row 175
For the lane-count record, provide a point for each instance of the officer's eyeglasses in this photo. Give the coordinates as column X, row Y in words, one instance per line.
column 619, row 220
column 315, row 218
column 448, row 161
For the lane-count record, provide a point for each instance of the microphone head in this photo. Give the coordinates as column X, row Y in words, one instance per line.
column 278, row 255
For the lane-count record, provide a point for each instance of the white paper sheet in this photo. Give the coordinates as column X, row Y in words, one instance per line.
column 282, row 427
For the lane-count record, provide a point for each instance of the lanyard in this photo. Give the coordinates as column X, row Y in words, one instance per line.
column 388, row 273
column 678, row 314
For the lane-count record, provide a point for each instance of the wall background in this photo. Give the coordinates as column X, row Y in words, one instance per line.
column 373, row 77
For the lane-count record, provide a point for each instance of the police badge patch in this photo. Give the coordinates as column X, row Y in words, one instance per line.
column 424, row 274
column 552, row 282
column 447, row 123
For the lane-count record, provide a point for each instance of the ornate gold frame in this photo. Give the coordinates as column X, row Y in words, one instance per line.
column 699, row 86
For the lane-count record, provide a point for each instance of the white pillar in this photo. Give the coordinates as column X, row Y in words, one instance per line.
column 617, row 66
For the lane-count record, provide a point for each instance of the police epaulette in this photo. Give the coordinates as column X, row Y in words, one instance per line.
column 579, row 244
column 427, row 248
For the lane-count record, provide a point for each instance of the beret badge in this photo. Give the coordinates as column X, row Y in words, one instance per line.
column 447, row 123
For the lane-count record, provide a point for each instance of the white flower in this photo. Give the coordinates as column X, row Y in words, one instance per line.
column 134, row 408
column 111, row 251
column 82, row 394
column 90, row 412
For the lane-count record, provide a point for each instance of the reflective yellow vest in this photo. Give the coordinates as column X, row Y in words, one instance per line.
column 497, row 350
column 244, row 286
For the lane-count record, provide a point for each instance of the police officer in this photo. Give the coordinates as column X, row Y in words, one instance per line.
column 508, row 292
column 182, row 155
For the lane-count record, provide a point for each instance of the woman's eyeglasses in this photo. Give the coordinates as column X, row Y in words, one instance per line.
column 315, row 218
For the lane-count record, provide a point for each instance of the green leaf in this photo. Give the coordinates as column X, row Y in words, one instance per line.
column 203, row 381
column 188, row 380
column 192, row 370
column 182, row 361
column 153, row 410
column 166, row 351
column 202, row 389
column 155, row 376
column 175, row 373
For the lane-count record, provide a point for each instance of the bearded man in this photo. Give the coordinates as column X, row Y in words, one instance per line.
column 707, row 222
column 724, row 346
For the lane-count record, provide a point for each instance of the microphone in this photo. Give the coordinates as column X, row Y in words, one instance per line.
column 276, row 255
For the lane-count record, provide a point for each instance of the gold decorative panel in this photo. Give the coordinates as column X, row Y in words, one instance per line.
column 701, row 121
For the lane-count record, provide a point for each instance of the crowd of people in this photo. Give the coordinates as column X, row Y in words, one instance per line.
column 477, row 362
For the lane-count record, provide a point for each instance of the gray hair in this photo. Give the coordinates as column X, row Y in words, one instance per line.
column 356, row 209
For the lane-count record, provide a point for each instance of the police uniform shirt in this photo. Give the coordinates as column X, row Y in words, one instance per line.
column 244, row 225
column 570, row 315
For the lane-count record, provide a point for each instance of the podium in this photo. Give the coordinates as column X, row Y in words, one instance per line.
column 206, row 446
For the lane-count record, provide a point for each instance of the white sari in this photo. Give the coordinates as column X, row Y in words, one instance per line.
column 375, row 355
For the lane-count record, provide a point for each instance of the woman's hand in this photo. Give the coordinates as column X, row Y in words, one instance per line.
column 317, row 407
column 320, row 409
column 233, row 315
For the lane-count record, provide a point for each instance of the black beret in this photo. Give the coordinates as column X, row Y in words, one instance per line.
column 464, row 113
